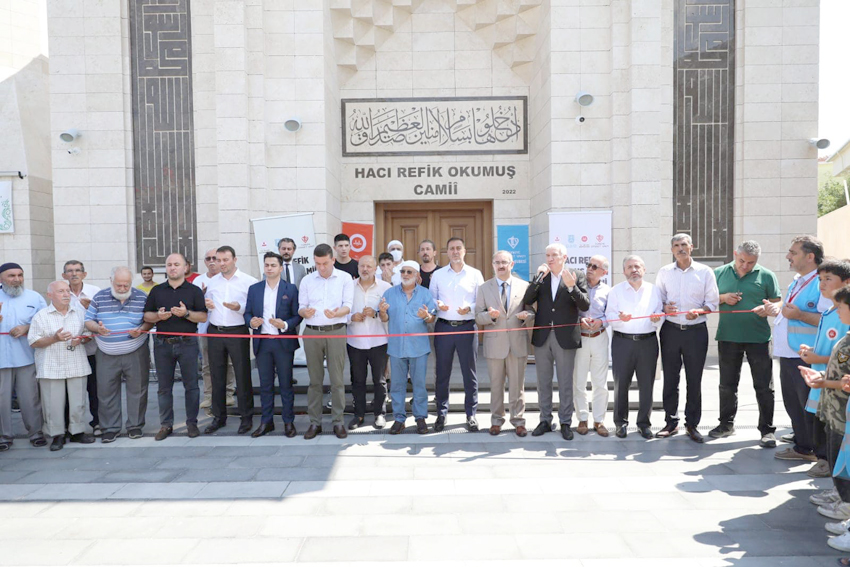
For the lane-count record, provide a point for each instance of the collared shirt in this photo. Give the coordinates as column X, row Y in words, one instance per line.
column 556, row 282
column 88, row 291
column 167, row 297
column 56, row 362
column 506, row 285
column 269, row 304
column 598, row 295
column 695, row 287
column 369, row 297
column 234, row 290
column 203, row 282
column 321, row 293
column 781, row 349
column 118, row 318
column 457, row 290
column 16, row 353
column 755, row 286
column 623, row 298
column 291, row 267
column 403, row 319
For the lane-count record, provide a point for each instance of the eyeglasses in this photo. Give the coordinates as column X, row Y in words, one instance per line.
column 208, row 258
column 592, row 266
column 500, row 263
column 407, row 272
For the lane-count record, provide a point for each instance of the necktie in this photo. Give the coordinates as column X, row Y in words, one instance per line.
column 505, row 295
column 288, row 279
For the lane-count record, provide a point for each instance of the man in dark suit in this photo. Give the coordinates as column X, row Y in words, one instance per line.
column 292, row 272
column 272, row 309
column 560, row 294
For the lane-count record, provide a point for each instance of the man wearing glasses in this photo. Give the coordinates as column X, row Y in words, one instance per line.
column 593, row 354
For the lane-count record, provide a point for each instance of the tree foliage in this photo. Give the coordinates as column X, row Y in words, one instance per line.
column 831, row 195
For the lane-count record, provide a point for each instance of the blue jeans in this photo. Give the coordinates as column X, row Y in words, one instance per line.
column 400, row 367
column 167, row 356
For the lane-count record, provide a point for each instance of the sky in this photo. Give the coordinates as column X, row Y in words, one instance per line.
column 834, row 88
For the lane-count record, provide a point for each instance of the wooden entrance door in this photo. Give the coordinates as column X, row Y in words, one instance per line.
column 412, row 223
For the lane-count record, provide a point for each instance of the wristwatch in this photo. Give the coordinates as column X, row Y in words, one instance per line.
column 186, row 316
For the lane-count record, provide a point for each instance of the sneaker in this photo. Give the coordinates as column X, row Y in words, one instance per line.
column 824, row 497
column 840, row 542
column 721, row 431
column 355, row 423
column 791, row 454
column 838, row 528
column 768, row 441
column 471, row 423
column 16, row 407
column 230, row 401
column 788, row 438
column 820, row 470
column 97, row 430
column 207, row 402
column 208, row 412
column 380, row 422
column 835, row 510
column 108, row 437
column 135, row 433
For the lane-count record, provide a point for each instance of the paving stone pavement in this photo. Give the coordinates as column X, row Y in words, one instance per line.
column 380, row 499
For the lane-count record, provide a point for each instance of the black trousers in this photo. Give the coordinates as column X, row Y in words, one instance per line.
column 219, row 349
column 630, row 358
column 731, row 357
column 361, row 360
column 690, row 347
column 820, row 438
column 833, row 447
column 466, row 346
column 795, row 393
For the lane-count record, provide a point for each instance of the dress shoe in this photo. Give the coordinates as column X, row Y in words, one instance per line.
column 645, row 431
column 163, row 433
column 355, row 423
column 542, row 427
column 421, row 426
column 312, row 431
column 440, row 424
column 695, row 435
column 192, row 430
column 58, row 443
column 471, row 423
column 521, row 431
column 600, row 429
column 340, row 432
column 621, row 431
column 397, row 427
column 37, row 442
column 668, row 430
column 262, row 430
column 83, row 438
column 495, row 429
column 289, row 429
column 245, row 426
column 566, row 432
column 582, row 428
column 214, row 426
column 380, row 421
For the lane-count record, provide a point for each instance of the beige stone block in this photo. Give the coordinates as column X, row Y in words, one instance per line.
column 800, row 54
column 279, row 44
column 763, row 112
column 309, row 89
column 595, row 39
column 110, row 27
column 566, row 17
column 108, row 177
column 799, row 111
column 803, row 92
column 806, row 168
column 566, row 40
column 761, row 36
column 761, row 169
column 800, row 74
column 394, row 61
column 762, row 131
column 433, row 41
column 763, row 17
column 308, row 22
column 439, row 61
column 440, row 22
column 758, row 93
column 799, row 131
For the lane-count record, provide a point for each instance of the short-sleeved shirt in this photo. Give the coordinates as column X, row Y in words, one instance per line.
column 147, row 287
column 166, row 296
column 16, row 353
column 57, row 361
column 833, row 403
column 426, row 276
column 403, row 320
column 350, row 268
column 118, row 318
column 757, row 285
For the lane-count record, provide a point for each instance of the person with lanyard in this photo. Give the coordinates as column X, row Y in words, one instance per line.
column 796, row 323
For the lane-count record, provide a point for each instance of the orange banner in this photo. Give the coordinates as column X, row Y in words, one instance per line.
column 361, row 238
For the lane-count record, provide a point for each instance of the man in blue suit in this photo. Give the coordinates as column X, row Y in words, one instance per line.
column 272, row 309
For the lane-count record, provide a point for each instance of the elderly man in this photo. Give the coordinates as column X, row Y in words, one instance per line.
column 744, row 285
column 116, row 317
column 325, row 299
column 593, row 354
column 18, row 305
column 61, row 365
column 365, row 352
column 689, row 288
column 498, row 306
column 176, row 306
column 634, row 313
column 408, row 308
column 560, row 295
column 395, row 249
column 293, row 272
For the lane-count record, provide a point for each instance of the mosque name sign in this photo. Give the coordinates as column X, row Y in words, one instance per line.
column 434, row 126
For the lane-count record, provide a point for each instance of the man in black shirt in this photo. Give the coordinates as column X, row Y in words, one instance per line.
column 176, row 306
column 427, row 261
column 344, row 262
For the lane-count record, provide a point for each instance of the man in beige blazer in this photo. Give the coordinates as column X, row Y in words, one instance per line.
column 498, row 305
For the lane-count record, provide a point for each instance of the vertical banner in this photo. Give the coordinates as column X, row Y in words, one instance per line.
column 514, row 239
column 585, row 234
column 269, row 230
column 361, row 238
column 7, row 222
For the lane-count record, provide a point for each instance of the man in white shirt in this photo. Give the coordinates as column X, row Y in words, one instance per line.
column 367, row 352
column 690, row 288
column 203, row 282
column 455, row 290
column 225, row 299
column 325, row 299
column 634, row 312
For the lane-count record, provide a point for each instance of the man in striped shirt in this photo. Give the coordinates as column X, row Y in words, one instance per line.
column 116, row 317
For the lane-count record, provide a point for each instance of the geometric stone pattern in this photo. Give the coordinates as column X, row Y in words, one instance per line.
column 704, row 111
column 163, row 130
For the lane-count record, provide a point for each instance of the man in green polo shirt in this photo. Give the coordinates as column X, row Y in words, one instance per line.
column 745, row 285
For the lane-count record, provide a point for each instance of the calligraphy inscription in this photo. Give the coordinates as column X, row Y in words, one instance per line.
column 434, row 126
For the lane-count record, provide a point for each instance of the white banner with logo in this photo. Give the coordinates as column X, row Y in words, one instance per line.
column 299, row 227
column 7, row 222
column 585, row 234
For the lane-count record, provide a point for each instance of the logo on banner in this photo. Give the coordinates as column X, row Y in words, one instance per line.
column 599, row 238
column 584, row 239
column 571, row 239
column 305, row 239
column 513, row 242
column 263, row 244
column 358, row 243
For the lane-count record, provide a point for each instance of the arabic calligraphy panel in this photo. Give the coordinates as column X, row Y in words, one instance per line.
column 434, row 126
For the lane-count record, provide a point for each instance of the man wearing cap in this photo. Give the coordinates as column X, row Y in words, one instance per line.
column 395, row 249
column 18, row 305
column 408, row 308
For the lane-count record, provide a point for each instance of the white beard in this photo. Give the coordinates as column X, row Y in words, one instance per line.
column 13, row 290
column 122, row 296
